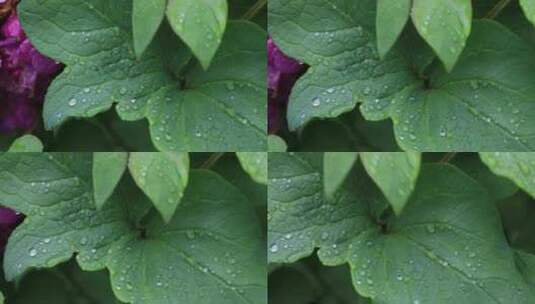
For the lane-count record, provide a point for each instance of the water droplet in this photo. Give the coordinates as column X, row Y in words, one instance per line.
column 190, row 234
column 33, row 252
column 274, row 248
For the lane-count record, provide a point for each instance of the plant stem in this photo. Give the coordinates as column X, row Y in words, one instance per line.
column 212, row 160
column 448, row 157
column 251, row 13
column 497, row 9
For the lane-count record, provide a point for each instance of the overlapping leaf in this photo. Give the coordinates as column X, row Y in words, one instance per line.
column 336, row 167
column 518, row 167
column 529, row 9
column 447, row 244
column 392, row 15
column 108, row 168
column 395, row 173
column 162, row 176
column 445, row 25
column 146, row 19
column 255, row 164
column 200, row 23
column 276, row 144
column 485, row 103
column 26, row 143
column 222, row 108
column 163, row 263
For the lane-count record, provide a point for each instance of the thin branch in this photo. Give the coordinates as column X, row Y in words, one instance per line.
column 251, row 13
column 212, row 160
column 497, row 9
column 448, row 157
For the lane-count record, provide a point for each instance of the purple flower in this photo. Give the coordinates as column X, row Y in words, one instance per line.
column 283, row 72
column 9, row 220
column 25, row 75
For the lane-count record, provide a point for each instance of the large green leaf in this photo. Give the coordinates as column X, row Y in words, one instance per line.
column 55, row 193
column 447, row 244
column 300, row 218
column 214, row 240
column 392, row 15
column 146, row 19
column 220, row 109
column 200, row 23
column 484, row 104
column 108, row 168
column 162, row 176
column 395, row 173
column 337, row 39
column 445, row 25
column 518, row 167
column 225, row 107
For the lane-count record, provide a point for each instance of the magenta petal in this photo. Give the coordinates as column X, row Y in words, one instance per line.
column 25, row 75
column 8, row 217
column 283, row 72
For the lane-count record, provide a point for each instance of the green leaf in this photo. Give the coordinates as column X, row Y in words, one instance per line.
column 146, row 19
column 338, row 281
column 445, row 25
column 529, row 9
column 526, row 263
column 214, row 238
column 276, row 144
column 26, row 143
column 162, row 176
column 101, row 70
column 345, row 66
column 222, row 249
column 255, row 164
column 302, row 285
column 336, row 166
column 395, row 173
column 473, row 108
column 328, row 135
column 447, row 244
column 518, row 167
column 108, row 168
column 392, row 15
column 225, row 109
column 65, row 284
column 200, row 23
column 55, row 193
column 299, row 213
column 498, row 187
